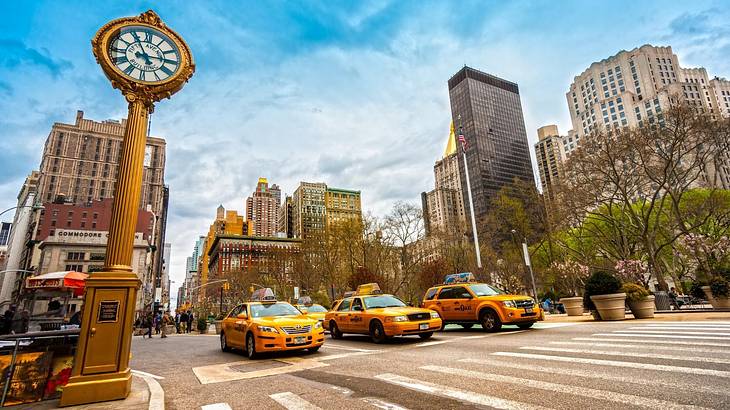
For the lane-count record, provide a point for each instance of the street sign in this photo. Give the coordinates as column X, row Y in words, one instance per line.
column 526, row 253
column 296, row 292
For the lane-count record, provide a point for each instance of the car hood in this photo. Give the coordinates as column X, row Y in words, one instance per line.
column 505, row 297
column 398, row 311
column 284, row 320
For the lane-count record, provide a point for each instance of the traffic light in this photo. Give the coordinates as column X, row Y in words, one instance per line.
column 226, row 286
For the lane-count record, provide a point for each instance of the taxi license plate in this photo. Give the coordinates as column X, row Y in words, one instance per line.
column 423, row 326
column 300, row 340
column 528, row 310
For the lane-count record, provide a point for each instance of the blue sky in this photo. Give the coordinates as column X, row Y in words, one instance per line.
column 352, row 93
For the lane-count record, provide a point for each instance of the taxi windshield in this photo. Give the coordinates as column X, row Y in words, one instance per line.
column 485, row 290
column 375, row 302
column 315, row 309
column 274, row 309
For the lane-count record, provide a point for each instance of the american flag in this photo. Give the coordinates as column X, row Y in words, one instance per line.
column 462, row 140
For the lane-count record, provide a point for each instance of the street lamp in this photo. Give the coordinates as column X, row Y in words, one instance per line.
column 526, row 254
column 34, row 207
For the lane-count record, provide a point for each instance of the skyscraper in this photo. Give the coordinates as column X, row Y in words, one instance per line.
column 490, row 112
column 262, row 208
column 550, row 157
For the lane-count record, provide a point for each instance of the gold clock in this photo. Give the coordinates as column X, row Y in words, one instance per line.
column 142, row 56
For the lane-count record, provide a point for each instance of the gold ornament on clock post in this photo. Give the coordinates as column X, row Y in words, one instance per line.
column 146, row 61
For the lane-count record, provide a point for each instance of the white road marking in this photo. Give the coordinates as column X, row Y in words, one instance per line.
column 461, row 395
column 688, row 324
column 382, row 404
column 661, row 336
column 291, row 401
column 341, row 355
column 561, row 388
column 703, row 322
column 224, row 373
column 157, row 395
column 643, row 346
column 678, row 333
column 682, row 328
column 492, row 335
column 663, row 342
column 432, row 343
column 339, row 347
column 616, row 363
column 627, row 354
column 596, row 375
column 216, row 406
column 141, row 373
column 541, row 325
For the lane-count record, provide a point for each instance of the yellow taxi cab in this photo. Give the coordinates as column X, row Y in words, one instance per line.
column 267, row 325
column 313, row 310
column 370, row 312
column 464, row 301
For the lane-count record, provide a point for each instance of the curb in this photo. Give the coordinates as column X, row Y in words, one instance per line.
column 157, row 395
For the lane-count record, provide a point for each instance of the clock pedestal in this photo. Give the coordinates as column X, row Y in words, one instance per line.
column 101, row 367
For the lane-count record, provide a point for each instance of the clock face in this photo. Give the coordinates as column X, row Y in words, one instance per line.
column 144, row 54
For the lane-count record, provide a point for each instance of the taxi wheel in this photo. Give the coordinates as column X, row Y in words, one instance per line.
column 335, row 331
column 426, row 335
column 467, row 325
column 224, row 343
column 490, row 321
column 377, row 333
column 251, row 347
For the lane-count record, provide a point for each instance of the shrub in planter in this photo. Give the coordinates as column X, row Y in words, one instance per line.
column 202, row 325
column 603, row 294
column 718, row 293
column 640, row 301
column 696, row 291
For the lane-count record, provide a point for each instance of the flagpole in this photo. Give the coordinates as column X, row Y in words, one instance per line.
column 462, row 139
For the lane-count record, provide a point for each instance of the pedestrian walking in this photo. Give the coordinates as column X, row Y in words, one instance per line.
column 148, row 324
column 190, row 321
column 166, row 321
column 184, row 321
column 158, row 322
column 177, row 322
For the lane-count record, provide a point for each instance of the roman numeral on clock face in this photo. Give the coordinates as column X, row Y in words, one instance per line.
column 128, row 71
column 120, row 59
column 166, row 70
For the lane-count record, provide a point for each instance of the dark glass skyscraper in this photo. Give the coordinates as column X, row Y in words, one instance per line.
column 489, row 110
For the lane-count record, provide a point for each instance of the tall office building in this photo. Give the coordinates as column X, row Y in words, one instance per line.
column 308, row 209
column 550, row 156
column 341, row 205
column 262, row 209
column 285, row 226
column 489, row 110
column 634, row 88
column 443, row 207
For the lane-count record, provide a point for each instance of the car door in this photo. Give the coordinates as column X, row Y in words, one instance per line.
column 342, row 315
column 241, row 325
column 357, row 316
column 229, row 326
column 455, row 303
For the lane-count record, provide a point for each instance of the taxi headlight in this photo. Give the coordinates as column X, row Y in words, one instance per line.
column 268, row 329
column 509, row 303
column 318, row 325
column 435, row 315
column 400, row 318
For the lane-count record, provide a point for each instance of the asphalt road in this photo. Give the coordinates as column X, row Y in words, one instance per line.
column 629, row 364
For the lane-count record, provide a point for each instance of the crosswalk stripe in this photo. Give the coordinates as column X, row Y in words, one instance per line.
column 705, row 322
column 461, row 395
column 216, row 406
column 643, row 346
column 432, row 343
column 352, row 349
column 616, row 363
column 663, row 342
column 595, row 375
column 291, row 401
column 381, row 404
column 627, row 354
column 561, row 388
column 661, row 336
column 683, row 328
column 681, row 333
column 688, row 324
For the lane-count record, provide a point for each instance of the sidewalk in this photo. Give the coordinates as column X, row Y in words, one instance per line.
column 674, row 316
column 139, row 398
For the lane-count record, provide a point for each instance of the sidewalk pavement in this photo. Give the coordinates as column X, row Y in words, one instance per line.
column 673, row 316
column 139, row 398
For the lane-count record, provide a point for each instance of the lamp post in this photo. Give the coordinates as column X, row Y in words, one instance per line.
column 34, row 207
column 526, row 255
column 147, row 62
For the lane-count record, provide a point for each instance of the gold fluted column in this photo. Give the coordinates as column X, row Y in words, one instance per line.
column 101, row 365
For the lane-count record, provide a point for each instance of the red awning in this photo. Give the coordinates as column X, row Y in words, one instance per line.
column 68, row 280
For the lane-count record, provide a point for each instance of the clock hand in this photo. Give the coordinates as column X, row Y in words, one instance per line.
column 143, row 54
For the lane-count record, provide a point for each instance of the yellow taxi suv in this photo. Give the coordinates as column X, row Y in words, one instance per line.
column 461, row 300
column 267, row 325
column 370, row 312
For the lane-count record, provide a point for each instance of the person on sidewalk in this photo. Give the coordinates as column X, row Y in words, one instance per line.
column 184, row 321
column 158, row 322
column 190, row 321
column 177, row 322
column 148, row 324
column 166, row 321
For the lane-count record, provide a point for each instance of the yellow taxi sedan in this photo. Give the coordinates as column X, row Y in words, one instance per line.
column 269, row 326
column 314, row 311
column 380, row 316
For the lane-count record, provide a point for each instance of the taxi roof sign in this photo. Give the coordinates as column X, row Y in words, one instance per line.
column 368, row 289
column 304, row 300
column 263, row 295
column 464, row 277
column 349, row 293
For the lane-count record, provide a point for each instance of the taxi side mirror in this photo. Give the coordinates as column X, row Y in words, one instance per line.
column 242, row 315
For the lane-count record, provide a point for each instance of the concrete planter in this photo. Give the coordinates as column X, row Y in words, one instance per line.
column 643, row 309
column 610, row 307
column 573, row 306
column 717, row 303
